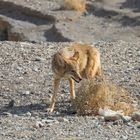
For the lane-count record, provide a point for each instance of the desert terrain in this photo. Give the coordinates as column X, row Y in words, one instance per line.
column 31, row 31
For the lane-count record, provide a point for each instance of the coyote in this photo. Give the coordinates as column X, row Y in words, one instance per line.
column 74, row 63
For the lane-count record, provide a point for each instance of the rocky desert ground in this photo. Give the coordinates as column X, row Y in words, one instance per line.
column 31, row 31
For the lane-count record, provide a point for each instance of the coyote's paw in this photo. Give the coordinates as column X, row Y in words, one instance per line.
column 72, row 96
column 50, row 110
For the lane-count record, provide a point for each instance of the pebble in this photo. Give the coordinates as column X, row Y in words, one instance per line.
column 124, row 137
column 50, row 121
column 36, row 69
column 39, row 59
column 138, row 125
column 63, row 120
column 136, row 116
column 28, row 114
column 126, row 118
column 15, row 115
column 26, row 92
column 57, row 113
column 112, row 118
column 109, row 115
column 39, row 124
column 7, row 114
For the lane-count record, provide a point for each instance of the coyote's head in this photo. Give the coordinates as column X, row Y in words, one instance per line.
column 72, row 68
column 68, row 67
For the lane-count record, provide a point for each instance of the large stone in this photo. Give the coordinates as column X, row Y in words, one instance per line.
column 110, row 115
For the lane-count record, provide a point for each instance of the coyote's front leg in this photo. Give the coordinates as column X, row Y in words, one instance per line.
column 72, row 91
column 56, row 87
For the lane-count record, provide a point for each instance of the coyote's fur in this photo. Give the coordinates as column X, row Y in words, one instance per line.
column 74, row 63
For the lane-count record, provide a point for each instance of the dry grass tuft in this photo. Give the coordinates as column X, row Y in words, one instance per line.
column 78, row 5
column 100, row 93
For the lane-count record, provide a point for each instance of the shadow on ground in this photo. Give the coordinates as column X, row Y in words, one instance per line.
column 25, row 14
column 132, row 4
column 64, row 108
column 52, row 35
column 23, row 109
column 115, row 16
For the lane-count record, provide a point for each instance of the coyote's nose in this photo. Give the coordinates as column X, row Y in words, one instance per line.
column 77, row 80
column 80, row 79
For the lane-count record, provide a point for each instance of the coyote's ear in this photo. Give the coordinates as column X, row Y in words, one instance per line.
column 75, row 56
column 60, row 60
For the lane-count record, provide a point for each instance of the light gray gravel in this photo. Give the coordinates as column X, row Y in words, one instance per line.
column 26, row 78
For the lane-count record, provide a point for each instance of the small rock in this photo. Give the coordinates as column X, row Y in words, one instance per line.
column 126, row 118
column 101, row 118
column 36, row 69
column 49, row 121
column 28, row 114
column 39, row 124
column 39, row 59
column 57, row 113
column 124, row 137
column 7, row 114
column 136, row 116
column 108, row 112
column 15, row 115
column 109, row 126
column 44, row 121
column 26, row 92
column 138, row 125
column 112, row 118
column 110, row 115
column 63, row 120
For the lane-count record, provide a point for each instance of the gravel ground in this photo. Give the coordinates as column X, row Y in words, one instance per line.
column 26, row 88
